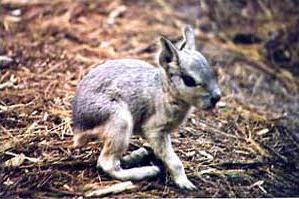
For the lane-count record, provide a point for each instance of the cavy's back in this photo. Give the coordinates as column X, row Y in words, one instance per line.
column 133, row 82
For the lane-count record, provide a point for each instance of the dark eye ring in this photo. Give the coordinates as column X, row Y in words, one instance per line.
column 188, row 81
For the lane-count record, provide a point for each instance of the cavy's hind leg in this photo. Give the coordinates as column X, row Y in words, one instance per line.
column 117, row 133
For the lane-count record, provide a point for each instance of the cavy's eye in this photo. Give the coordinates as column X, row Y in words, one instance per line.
column 188, row 81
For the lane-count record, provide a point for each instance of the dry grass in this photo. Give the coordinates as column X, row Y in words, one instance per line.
column 243, row 151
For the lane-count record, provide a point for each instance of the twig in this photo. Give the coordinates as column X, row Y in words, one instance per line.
column 34, row 160
column 206, row 127
column 11, row 107
column 261, row 150
column 114, row 189
column 259, row 185
column 115, row 14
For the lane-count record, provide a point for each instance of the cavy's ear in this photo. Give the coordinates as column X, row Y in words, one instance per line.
column 168, row 56
column 188, row 41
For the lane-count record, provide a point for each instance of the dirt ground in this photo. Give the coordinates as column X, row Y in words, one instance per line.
column 250, row 148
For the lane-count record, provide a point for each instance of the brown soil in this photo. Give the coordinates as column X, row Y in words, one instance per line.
column 250, row 148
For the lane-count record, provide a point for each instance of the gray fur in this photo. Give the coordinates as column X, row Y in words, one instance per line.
column 126, row 96
column 133, row 81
